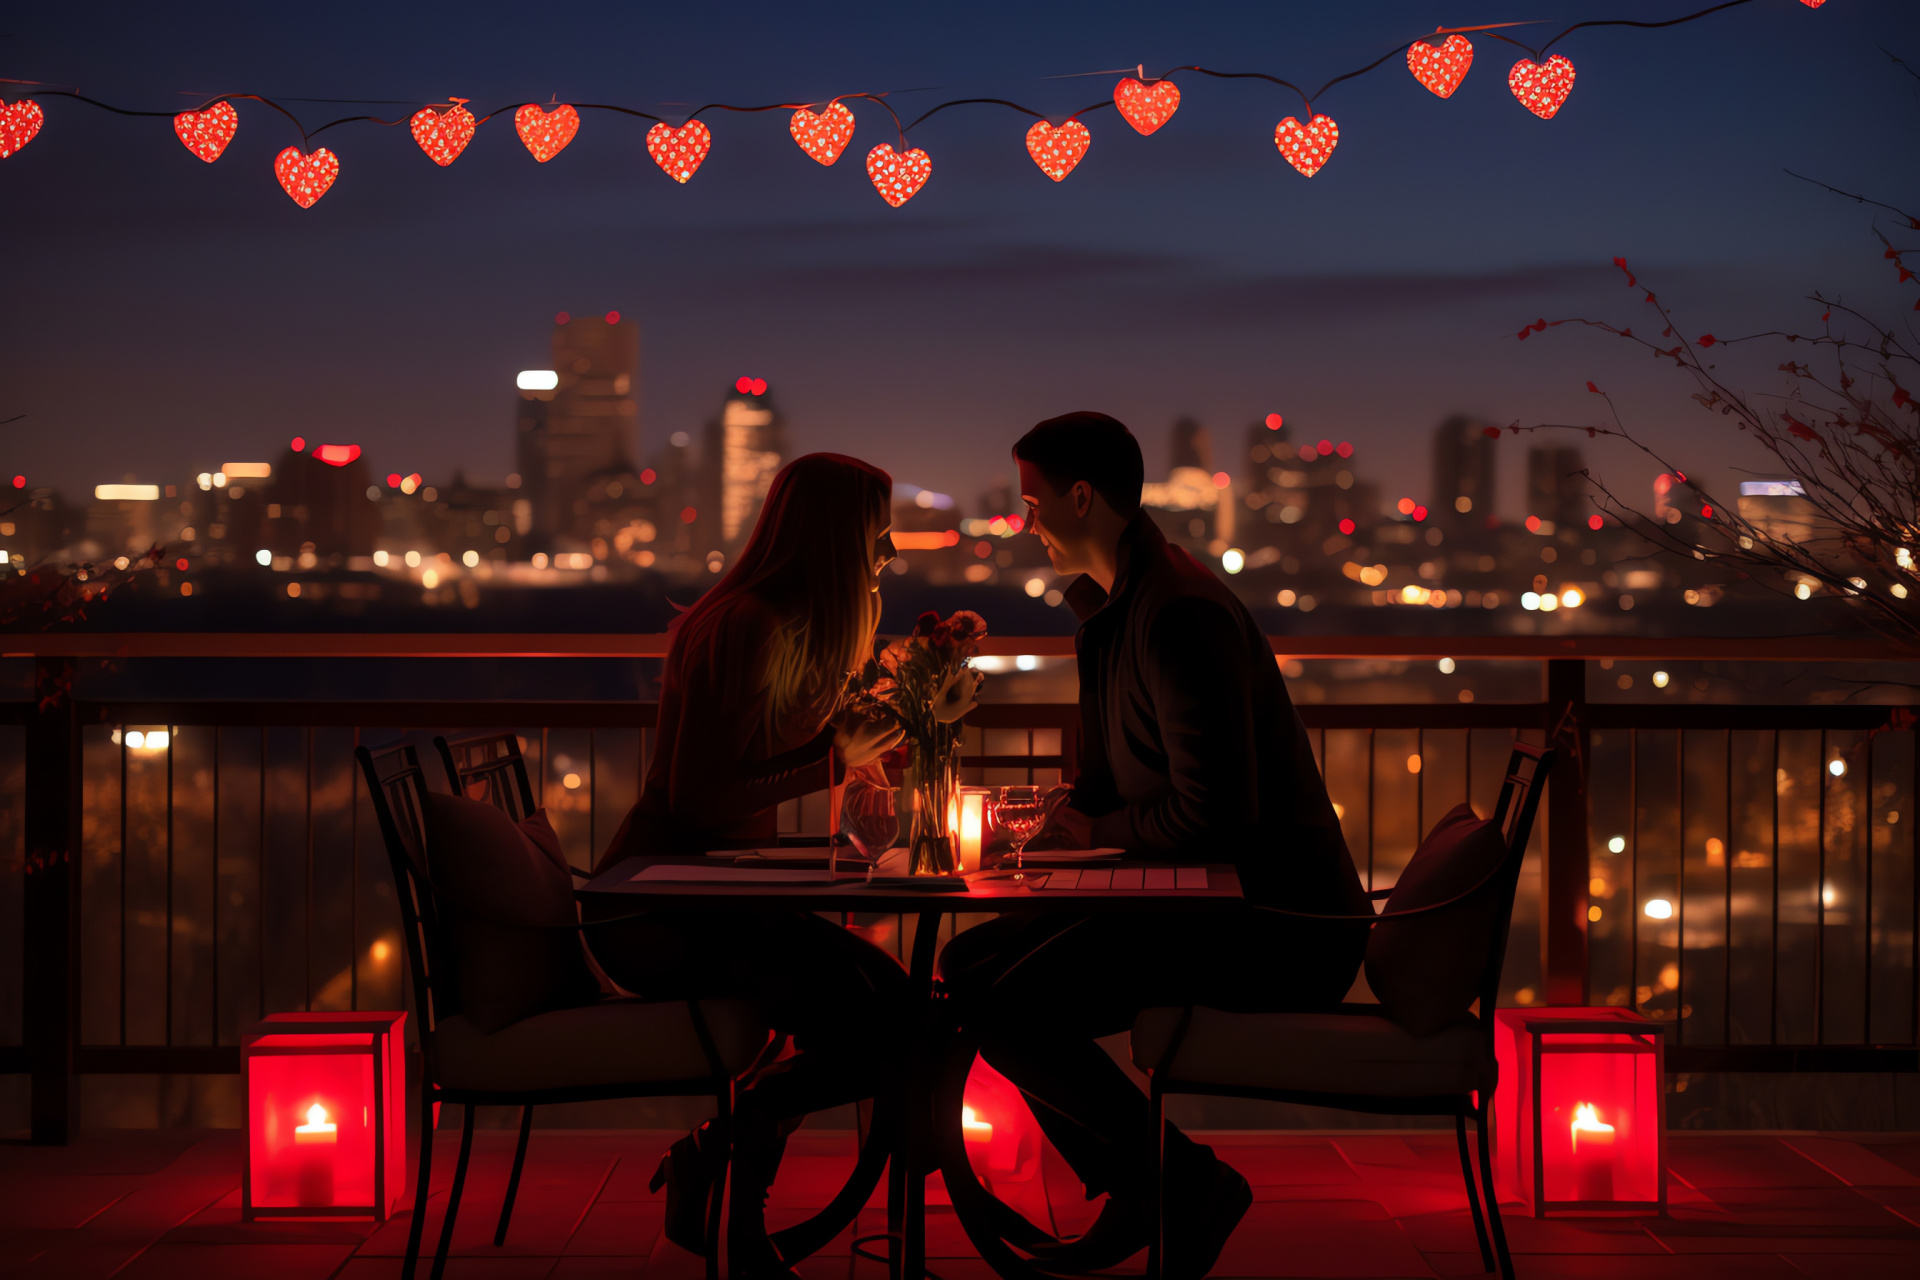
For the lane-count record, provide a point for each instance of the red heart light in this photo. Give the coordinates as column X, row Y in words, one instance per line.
column 1813, row 4
column 1146, row 106
column 1307, row 146
column 336, row 455
column 18, row 124
column 823, row 135
column 898, row 178
column 1541, row 87
column 306, row 178
column 1056, row 151
column 443, row 132
column 1440, row 67
column 679, row 152
column 546, row 133
column 207, row 133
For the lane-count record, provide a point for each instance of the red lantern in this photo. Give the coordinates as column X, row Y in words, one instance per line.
column 207, row 133
column 1579, row 1119
column 546, row 133
column 1146, row 106
column 679, row 152
column 898, row 178
column 1057, row 151
column 306, row 178
column 1307, row 146
column 1003, row 1141
column 326, row 1118
column 824, row 135
column 1440, row 67
column 443, row 132
column 18, row 123
column 1541, row 86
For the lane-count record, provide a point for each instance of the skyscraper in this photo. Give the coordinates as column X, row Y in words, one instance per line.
column 584, row 424
column 1463, row 472
column 1557, row 488
column 744, row 448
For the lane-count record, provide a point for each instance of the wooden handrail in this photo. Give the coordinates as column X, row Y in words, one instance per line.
column 509, row 644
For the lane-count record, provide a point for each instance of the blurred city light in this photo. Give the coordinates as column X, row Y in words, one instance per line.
column 1658, row 909
column 537, row 380
column 126, row 492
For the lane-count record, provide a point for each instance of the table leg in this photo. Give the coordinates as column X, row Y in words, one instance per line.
column 907, row 1178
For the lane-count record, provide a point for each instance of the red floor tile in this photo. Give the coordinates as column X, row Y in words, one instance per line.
column 170, row 1261
column 1707, row 1163
column 1853, row 1164
column 1326, row 1238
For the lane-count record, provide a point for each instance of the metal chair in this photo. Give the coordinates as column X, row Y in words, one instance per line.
column 1294, row 1057
column 610, row 1049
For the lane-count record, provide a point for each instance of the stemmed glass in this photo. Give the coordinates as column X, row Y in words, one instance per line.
column 1020, row 812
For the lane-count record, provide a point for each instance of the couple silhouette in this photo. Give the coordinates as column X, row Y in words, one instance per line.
column 1191, row 751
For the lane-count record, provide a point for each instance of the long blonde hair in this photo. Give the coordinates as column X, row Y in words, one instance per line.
column 810, row 558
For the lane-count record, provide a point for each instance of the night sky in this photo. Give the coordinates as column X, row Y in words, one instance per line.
column 159, row 315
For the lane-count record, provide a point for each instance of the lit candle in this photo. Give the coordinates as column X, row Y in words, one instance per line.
column 319, row 1139
column 973, row 805
column 974, row 1129
column 1592, row 1155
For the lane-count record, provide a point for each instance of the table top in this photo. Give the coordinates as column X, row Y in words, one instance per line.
column 1122, row 886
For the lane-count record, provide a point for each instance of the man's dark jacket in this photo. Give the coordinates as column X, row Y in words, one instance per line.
column 1191, row 748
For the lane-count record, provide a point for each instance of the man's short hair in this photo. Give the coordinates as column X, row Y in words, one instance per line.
column 1091, row 447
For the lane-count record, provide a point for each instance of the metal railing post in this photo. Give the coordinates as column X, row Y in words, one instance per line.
column 1565, row 870
column 51, row 902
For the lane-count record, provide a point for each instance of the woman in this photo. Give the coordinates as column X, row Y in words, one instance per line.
column 751, row 716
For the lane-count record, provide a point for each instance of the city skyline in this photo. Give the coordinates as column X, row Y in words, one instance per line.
column 1188, row 274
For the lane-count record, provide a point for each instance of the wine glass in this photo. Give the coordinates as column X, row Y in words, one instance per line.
column 1020, row 812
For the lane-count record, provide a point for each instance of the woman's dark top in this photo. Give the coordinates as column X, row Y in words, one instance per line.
column 720, row 770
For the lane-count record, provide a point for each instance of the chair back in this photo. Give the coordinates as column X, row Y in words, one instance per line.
column 491, row 768
column 1513, row 813
column 398, row 787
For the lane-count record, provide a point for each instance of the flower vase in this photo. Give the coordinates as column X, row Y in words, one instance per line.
column 934, row 777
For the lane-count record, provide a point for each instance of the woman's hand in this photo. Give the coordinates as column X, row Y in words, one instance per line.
column 861, row 741
column 956, row 695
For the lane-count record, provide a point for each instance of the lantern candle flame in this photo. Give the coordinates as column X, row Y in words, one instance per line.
column 974, row 1129
column 1592, row 1154
column 321, row 1138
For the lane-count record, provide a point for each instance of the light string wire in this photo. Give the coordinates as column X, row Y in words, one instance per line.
column 1491, row 29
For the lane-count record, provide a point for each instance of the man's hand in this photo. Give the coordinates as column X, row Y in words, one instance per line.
column 1067, row 827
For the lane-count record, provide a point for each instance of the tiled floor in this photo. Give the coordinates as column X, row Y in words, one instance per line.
column 145, row 1205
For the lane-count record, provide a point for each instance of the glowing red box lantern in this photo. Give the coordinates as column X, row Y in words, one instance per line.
column 1580, row 1115
column 326, row 1115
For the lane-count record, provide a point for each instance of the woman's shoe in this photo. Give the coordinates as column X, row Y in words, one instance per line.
column 688, row 1171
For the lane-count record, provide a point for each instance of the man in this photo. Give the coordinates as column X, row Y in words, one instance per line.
column 1191, row 751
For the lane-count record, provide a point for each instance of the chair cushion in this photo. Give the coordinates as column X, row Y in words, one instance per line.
column 1426, row 970
column 609, row 1042
column 1351, row 1051
column 506, row 907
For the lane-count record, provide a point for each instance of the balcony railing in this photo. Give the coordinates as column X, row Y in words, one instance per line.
column 1743, row 872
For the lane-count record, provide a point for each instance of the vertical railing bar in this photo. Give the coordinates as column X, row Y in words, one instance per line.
column 1820, row 905
column 123, row 884
column 1469, row 770
column 1913, row 920
column 307, row 949
column 1726, row 936
column 1370, row 753
column 353, row 880
column 1680, row 899
column 1633, row 870
column 1866, row 915
column 546, row 765
column 260, row 883
column 1773, row 950
column 1420, row 787
column 213, row 915
column 167, row 955
column 593, row 791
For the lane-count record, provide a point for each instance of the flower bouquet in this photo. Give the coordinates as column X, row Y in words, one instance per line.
column 925, row 683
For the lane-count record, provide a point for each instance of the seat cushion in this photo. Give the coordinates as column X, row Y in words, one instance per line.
column 1352, row 1051
column 506, row 911
column 1426, row 970
column 609, row 1042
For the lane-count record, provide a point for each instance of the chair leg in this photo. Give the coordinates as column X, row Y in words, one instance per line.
column 513, row 1179
column 716, row 1207
column 1157, row 1117
column 422, row 1181
column 453, row 1196
column 1493, row 1197
column 1473, row 1194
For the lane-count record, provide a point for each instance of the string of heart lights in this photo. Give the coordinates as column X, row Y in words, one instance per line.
column 1540, row 82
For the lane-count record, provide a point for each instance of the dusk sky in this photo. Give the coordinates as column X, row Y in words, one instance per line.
column 163, row 315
